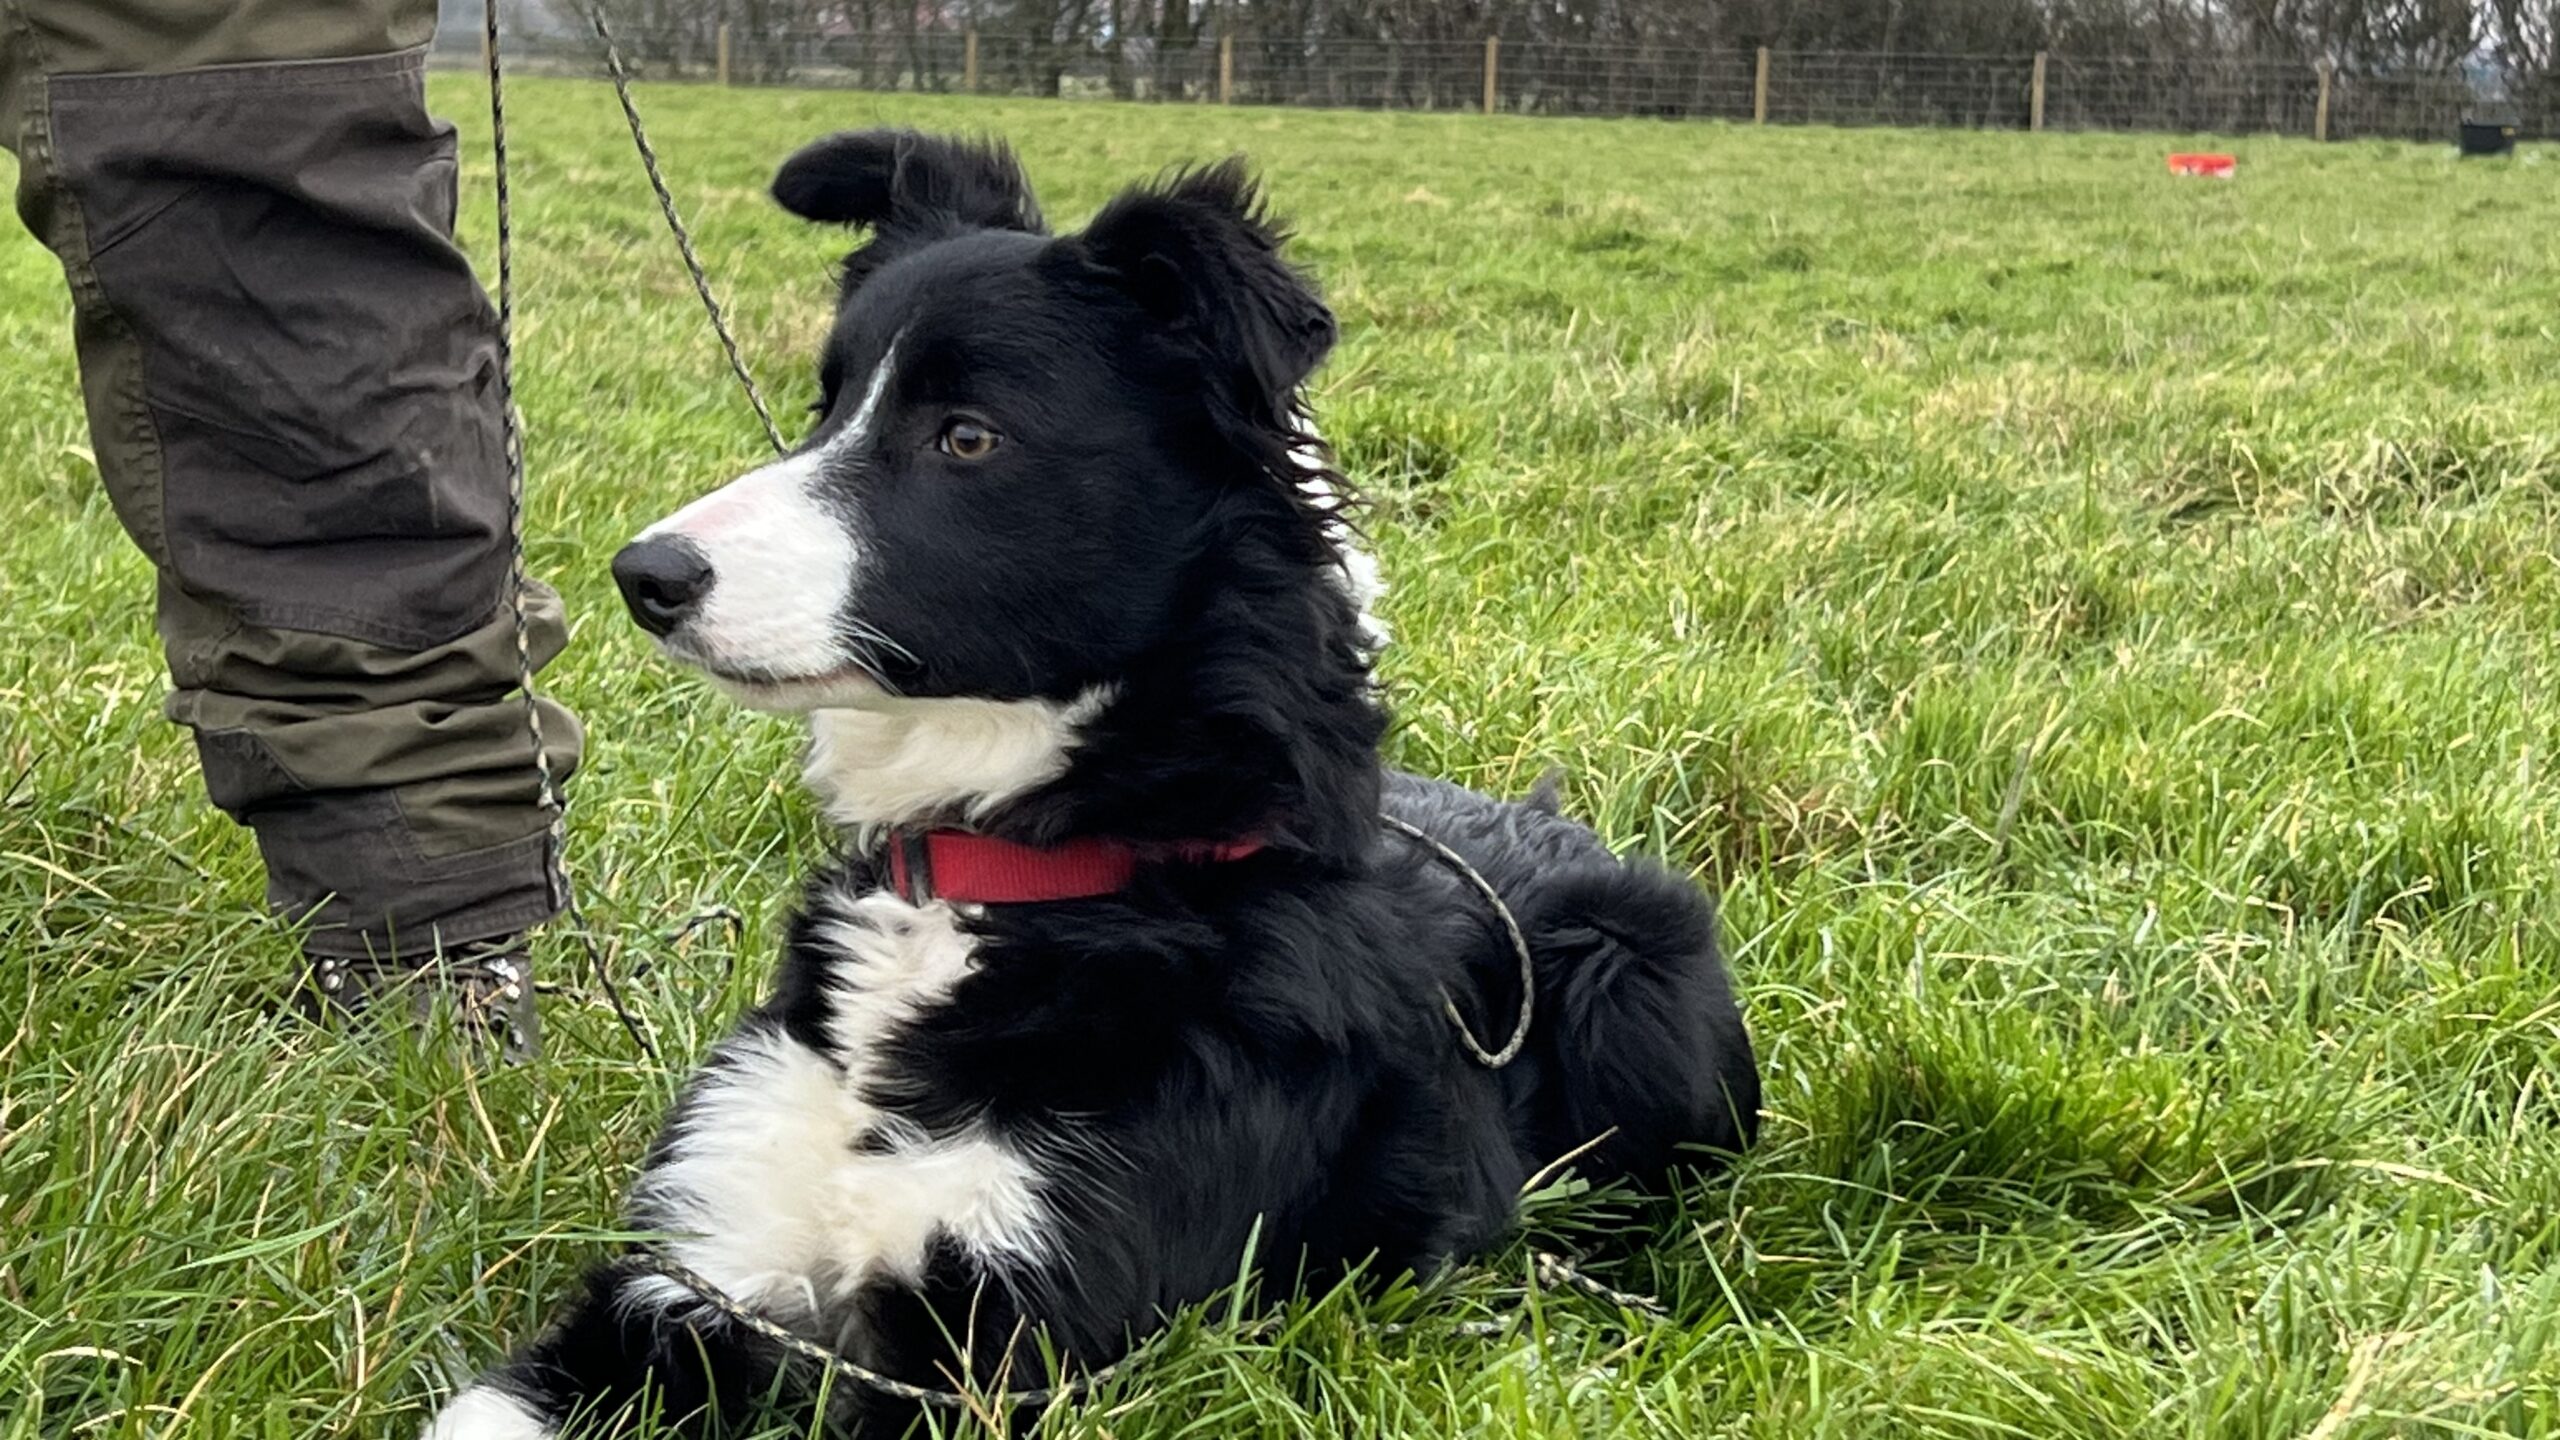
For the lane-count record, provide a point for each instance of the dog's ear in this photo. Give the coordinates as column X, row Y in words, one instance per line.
column 900, row 179
column 1201, row 254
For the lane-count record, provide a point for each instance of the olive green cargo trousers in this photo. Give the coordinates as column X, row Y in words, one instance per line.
column 291, row 380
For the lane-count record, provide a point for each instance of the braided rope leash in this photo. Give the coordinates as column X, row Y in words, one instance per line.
column 563, row 895
column 1557, row 1270
column 1553, row 1270
column 676, row 226
column 1510, row 1051
column 870, row 1379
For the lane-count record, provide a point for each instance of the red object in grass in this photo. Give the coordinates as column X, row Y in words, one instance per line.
column 2219, row 167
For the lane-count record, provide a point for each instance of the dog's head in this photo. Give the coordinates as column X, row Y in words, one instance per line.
column 1039, row 461
column 1019, row 437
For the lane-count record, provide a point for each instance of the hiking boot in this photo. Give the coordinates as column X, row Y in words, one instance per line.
column 490, row 982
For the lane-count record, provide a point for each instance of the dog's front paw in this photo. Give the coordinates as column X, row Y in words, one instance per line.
column 484, row 1413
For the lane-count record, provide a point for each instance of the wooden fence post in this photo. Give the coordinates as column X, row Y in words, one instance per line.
column 2035, row 96
column 1492, row 70
column 720, row 48
column 969, row 59
column 2320, row 117
column 1226, row 69
column 1760, row 88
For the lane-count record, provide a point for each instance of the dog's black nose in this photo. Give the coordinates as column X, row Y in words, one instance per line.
column 662, row 581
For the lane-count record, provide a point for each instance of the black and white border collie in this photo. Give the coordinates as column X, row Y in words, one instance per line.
column 1121, row 973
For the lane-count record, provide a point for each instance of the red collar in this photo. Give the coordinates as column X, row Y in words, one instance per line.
column 983, row 870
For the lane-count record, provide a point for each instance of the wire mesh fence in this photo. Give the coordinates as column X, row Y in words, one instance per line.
column 2212, row 95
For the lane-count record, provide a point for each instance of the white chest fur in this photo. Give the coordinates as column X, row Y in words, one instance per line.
column 787, row 1187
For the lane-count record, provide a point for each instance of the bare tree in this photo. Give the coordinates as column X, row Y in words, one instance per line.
column 1671, row 56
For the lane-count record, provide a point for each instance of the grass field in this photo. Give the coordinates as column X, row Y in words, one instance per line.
column 2097, row 630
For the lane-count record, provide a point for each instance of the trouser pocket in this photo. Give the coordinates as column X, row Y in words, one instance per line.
column 318, row 364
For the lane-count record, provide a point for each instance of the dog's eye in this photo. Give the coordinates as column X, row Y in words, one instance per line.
column 966, row 439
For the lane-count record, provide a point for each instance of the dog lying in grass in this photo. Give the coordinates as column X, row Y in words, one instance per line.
column 1122, row 972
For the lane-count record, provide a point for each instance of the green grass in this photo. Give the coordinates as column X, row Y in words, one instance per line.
column 2097, row 630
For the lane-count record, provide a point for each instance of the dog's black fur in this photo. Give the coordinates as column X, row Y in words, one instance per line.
column 1223, row 1049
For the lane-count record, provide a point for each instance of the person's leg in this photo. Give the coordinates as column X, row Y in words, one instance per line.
column 291, row 381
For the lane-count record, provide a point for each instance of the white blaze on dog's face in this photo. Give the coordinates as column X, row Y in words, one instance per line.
column 758, row 576
column 1028, row 453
